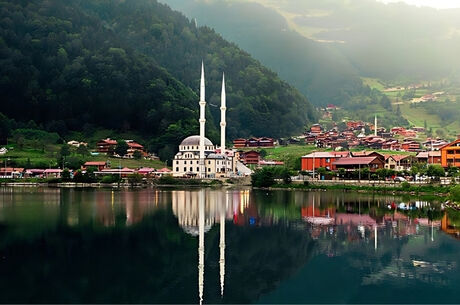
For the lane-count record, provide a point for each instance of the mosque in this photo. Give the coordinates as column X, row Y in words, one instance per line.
column 197, row 156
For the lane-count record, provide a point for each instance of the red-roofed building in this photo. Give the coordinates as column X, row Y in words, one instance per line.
column 250, row 157
column 450, row 154
column 321, row 159
column 134, row 146
column 100, row 165
column 430, row 157
column 316, row 128
column 239, row 143
column 106, row 145
column 351, row 164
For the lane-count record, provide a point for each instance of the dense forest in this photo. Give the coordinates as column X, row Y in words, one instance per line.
column 318, row 70
column 132, row 66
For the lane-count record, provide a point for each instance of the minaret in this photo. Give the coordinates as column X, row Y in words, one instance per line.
column 201, row 221
column 223, row 123
column 375, row 125
column 202, row 123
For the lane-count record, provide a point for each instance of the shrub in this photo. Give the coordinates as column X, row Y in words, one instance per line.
column 264, row 177
column 167, row 179
column 405, row 185
column 110, row 179
column 455, row 193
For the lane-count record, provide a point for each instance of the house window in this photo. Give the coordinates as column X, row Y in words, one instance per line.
column 177, row 169
column 185, row 169
column 328, row 160
column 450, row 152
column 177, row 162
column 197, row 169
column 191, row 169
column 209, row 162
column 209, row 169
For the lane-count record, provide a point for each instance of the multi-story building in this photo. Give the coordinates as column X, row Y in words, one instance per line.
column 450, row 154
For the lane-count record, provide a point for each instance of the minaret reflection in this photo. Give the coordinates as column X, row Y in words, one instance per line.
column 197, row 212
column 223, row 208
column 201, row 222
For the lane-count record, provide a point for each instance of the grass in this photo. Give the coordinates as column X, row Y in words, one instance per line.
column 373, row 83
column 289, row 154
column 48, row 158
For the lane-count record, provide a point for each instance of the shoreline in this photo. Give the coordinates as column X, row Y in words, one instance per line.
column 442, row 191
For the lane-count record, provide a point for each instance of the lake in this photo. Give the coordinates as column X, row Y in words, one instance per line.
column 224, row 246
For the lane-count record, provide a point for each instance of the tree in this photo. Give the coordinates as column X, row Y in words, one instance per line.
column 65, row 175
column 452, row 171
column 137, row 155
column 436, row 171
column 65, row 151
column 263, row 177
column 82, row 150
column 4, row 128
column 263, row 153
column 122, row 148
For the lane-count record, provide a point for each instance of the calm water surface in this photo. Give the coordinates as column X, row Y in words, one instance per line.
column 223, row 246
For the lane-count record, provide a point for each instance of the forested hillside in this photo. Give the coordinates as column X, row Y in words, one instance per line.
column 317, row 69
column 133, row 66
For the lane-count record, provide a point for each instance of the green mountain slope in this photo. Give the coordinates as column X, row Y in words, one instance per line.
column 133, row 66
column 318, row 70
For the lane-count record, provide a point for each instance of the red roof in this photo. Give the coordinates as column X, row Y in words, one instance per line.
column 95, row 163
column 108, row 141
column 355, row 160
column 164, row 170
column 135, row 145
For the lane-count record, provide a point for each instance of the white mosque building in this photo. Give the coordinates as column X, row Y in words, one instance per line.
column 197, row 156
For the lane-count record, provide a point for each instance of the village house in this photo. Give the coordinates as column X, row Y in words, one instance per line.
column 253, row 142
column 133, row 147
column 321, row 159
column 410, row 145
column 52, row 173
column 99, row 165
column 239, row 143
column 398, row 162
column 450, row 154
column 316, row 128
column 11, row 172
column 358, row 163
column 76, row 143
column 249, row 157
column 107, row 145
column 430, row 157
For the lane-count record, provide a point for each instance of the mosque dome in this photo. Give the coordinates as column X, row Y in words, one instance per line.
column 195, row 140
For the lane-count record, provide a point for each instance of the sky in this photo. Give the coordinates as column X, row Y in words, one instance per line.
column 441, row 4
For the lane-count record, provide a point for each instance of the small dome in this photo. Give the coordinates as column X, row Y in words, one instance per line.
column 195, row 140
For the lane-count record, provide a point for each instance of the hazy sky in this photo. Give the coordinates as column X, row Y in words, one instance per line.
column 432, row 3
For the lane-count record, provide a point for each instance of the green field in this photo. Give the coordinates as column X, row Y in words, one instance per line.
column 373, row 83
column 32, row 158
